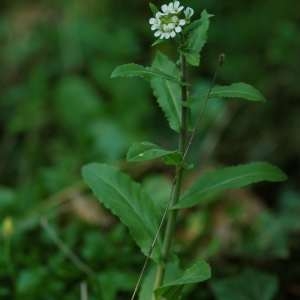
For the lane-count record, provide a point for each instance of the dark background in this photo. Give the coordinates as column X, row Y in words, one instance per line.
column 59, row 109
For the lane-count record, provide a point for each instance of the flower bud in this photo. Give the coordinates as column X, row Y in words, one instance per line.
column 7, row 227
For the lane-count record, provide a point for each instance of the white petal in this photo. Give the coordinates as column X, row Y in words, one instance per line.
column 154, row 27
column 176, row 4
column 157, row 33
column 152, row 21
column 167, row 35
column 180, row 9
column 173, row 34
column 178, row 29
column 182, row 22
column 165, row 8
column 171, row 6
column 158, row 15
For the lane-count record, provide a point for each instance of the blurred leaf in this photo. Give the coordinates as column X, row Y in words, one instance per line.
column 126, row 199
column 76, row 103
column 108, row 139
column 7, row 197
column 266, row 238
column 147, row 151
column 198, row 272
column 196, row 38
column 238, row 90
column 134, row 70
column 229, row 178
column 113, row 281
column 249, row 285
column 289, row 206
column 29, row 281
column 168, row 94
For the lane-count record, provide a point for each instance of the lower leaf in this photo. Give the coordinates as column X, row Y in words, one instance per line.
column 198, row 272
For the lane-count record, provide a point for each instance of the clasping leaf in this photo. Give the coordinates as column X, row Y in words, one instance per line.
column 168, row 93
column 147, row 151
column 135, row 70
column 237, row 90
column 196, row 38
column 198, row 272
column 228, row 178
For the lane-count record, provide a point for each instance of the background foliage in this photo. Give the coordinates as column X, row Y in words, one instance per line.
column 59, row 109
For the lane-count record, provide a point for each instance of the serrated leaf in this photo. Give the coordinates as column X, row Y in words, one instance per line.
column 228, row 178
column 249, row 285
column 126, row 199
column 196, row 38
column 198, row 272
column 135, row 70
column 168, row 93
column 237, row 90
column 148, row 151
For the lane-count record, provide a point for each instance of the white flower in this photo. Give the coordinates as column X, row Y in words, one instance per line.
column 168, row 22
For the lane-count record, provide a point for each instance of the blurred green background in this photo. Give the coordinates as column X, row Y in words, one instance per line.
column 59, row 109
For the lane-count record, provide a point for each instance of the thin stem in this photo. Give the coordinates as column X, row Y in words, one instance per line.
column 201, row 113
column 147, row 260
column 172, row 214
column 65, row 249
column 84, row 291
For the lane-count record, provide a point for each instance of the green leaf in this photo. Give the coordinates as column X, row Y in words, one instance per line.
column 161, row 187
column 196, row 38
column 228, row 178
column 237, row 90
column 198, row 272
column 115, row 282
column 172, row 272
column 134, row 70
column 249, row 285
column 126, row 199
column 168, row 93
column 147, row 151
column 153, row 8
column 267, row 238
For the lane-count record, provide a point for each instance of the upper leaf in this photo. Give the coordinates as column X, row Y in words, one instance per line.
column 126, row 199
column 237, row 90
column 134, row 70
column 198, row 272
column 228, row 178
column 168, row 93
column 147, row 151
column 196, row 38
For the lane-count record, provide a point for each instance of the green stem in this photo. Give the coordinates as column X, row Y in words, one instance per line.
column 172, row 215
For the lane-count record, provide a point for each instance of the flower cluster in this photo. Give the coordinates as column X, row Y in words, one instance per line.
column 169, row 21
